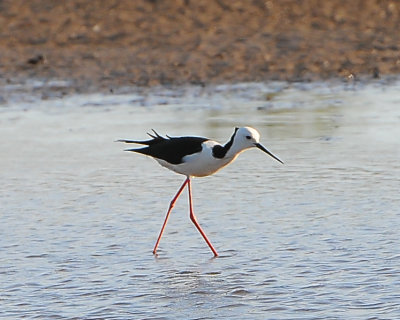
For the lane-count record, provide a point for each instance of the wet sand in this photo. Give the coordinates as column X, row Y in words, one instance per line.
column 101, row 45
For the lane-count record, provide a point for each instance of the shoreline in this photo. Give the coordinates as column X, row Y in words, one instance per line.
column 267, row 94
column 100, row 46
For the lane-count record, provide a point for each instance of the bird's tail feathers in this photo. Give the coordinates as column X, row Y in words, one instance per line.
column 155, row 135
column 156, row 138
column 131, row 141
column 144, row 150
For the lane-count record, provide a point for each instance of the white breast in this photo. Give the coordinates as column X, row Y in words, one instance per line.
column 199, row 164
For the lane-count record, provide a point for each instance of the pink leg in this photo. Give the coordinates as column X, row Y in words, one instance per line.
column 171, row 205
column 194, row 220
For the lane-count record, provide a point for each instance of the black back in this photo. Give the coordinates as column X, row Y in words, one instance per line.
column 170, row 149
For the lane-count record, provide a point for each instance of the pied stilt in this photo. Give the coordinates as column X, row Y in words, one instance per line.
column 196, row 157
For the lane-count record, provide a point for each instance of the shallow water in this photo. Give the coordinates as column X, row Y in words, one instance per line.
column 316, row 238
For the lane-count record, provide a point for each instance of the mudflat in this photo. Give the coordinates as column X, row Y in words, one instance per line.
column 104, row 44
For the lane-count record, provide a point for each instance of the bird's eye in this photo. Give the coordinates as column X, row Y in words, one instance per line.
column 248, row 137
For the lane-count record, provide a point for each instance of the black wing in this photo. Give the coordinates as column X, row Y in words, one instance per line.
column 169, row 149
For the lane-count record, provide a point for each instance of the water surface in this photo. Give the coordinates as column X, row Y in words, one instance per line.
column 316, row 238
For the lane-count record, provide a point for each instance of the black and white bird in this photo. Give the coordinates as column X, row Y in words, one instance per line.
column 196, row 157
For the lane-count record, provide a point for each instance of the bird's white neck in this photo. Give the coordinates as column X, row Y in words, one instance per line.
column 234, row 150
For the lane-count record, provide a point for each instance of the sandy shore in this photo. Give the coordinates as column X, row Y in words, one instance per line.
column 105, row 44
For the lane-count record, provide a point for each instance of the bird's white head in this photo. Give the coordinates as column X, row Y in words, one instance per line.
column 247, row 137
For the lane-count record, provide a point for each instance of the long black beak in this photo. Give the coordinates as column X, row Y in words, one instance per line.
column 261, row 147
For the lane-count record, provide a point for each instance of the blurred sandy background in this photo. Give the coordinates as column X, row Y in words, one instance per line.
column 102, row 44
